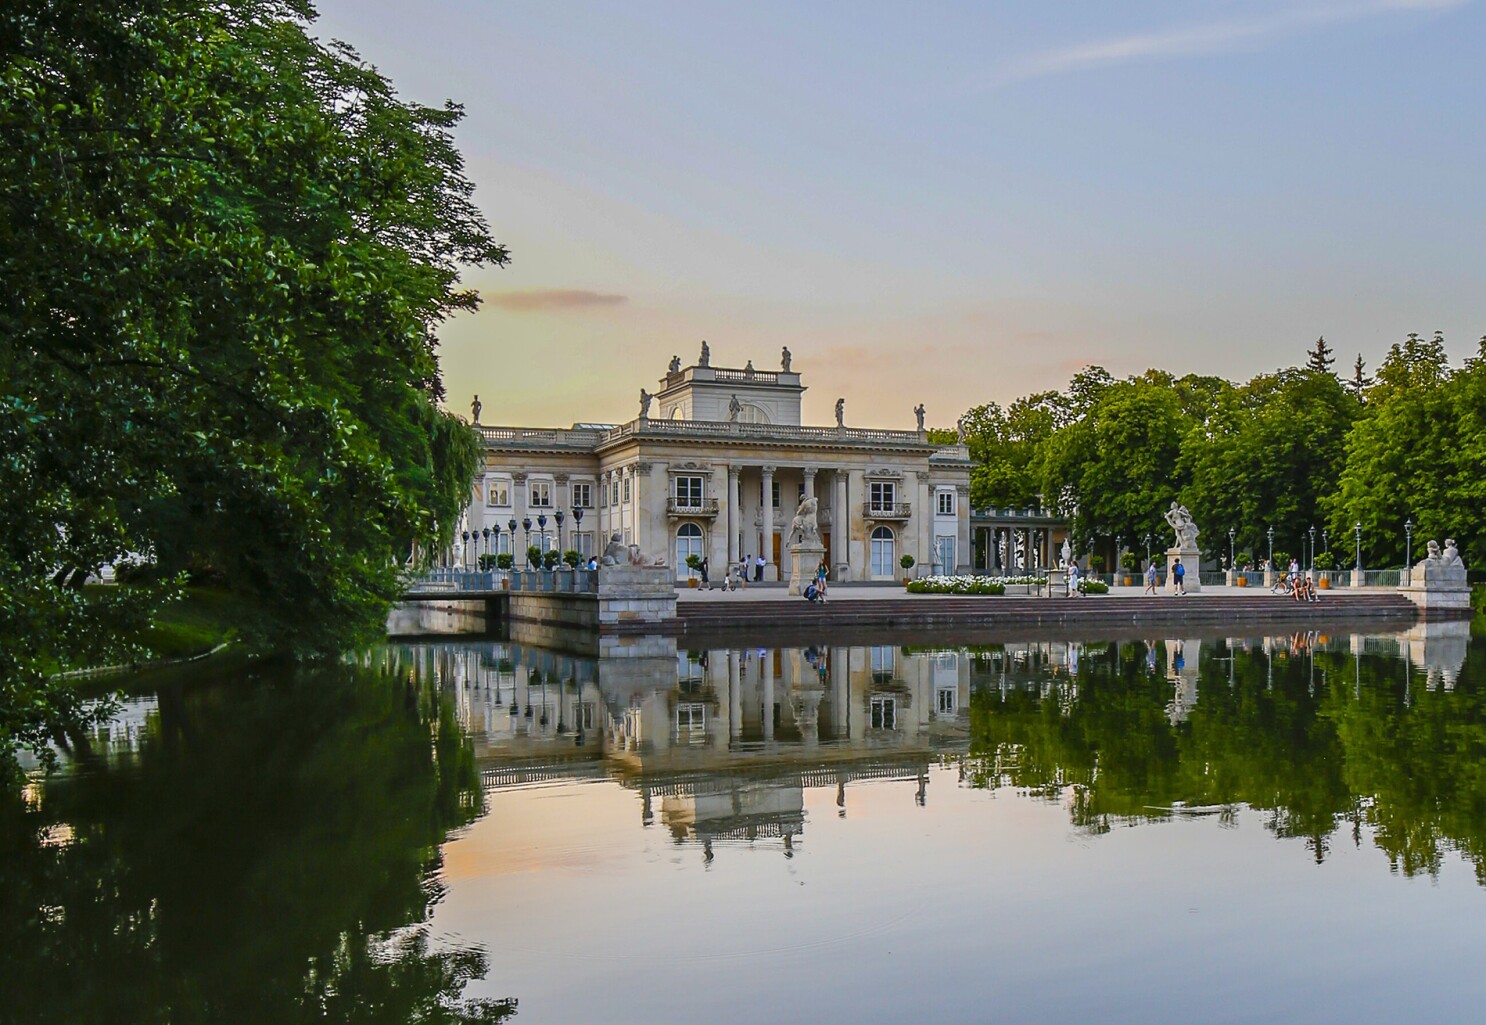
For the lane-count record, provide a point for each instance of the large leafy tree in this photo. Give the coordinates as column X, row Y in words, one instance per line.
column 224, row 252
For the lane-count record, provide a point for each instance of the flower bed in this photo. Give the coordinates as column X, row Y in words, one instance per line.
column 1093, row 587
column 970, row 584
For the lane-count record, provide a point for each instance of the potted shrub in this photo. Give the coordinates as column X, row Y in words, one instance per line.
column 487, row 562
column 1096, row 565
column 572, row 558
column 1244, row 560
column 907, row 563
column 1130, row 563
column 693, row 563
column 504, row 561
column 533, row 557
column 1324, row 562
column 551, row 558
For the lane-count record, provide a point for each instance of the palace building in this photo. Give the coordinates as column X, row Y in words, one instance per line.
column 715, row 465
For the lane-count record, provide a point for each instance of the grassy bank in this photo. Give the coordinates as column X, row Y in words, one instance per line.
column 196, row 624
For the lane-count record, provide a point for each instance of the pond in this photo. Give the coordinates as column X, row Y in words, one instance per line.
column 1144, row 829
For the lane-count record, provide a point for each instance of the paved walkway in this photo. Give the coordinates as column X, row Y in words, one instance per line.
column 895, row 592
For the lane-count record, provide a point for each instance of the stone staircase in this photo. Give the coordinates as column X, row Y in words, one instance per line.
column 1098, row 612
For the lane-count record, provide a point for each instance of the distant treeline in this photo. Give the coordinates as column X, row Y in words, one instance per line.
column 1288, row 450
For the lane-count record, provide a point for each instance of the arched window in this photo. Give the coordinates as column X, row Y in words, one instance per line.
column 884, row 560
column 688, row 542
column 751, row 414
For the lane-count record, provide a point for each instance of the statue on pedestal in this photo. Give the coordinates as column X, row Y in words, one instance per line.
column 840, row 412
column 1186, row 530
column 804, row 528
column 1067, row 553
column 918, row 411
column 645, row 398
column 475, row 408
column 784, row 359
column 735, row 409
column 675, row 367
column 706, row 358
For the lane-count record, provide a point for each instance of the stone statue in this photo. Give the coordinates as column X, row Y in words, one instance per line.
column 1186, row 530
column 1433, row 558
column 784, row 358
column 735, row 409
column 639, row 558
column 749, row 369
column 705, row 360
column 840, row 412
column 475, row 408
column 918, row 411
column 804, row 528
column 645, row 398
column 615, row 551
column 960, row 430
column 675, row 367
column 1451, row 557
column 1067, row 553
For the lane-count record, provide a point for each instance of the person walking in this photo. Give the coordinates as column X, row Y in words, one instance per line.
column 702, row 569
column 743, row 565
column 821, row 573
column 1178, row 577
column 1150, row 578
column 758, row 569
column 1072, row 580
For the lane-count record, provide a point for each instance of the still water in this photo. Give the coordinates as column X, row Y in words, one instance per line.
column 1206, row 828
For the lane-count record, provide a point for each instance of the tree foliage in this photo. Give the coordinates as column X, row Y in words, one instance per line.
column 224, row 249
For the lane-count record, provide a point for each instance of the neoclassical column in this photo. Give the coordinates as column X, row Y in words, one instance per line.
column 840, row 527
column 841, row 693
column 964, row 547
column 925, row 518
column 809, row 476
column 734, row 516
column 766, row 533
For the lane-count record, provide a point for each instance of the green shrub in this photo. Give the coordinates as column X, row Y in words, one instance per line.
column 956, row 585
column 907, row 561
column 551, row 558
column 504, row 560
column 1129, row 561
column 694, row 562
column 572, row 558
column 1325, row 560
column 1096, row 564
column 533, row 555
column 487, row 561
column 1087, row 586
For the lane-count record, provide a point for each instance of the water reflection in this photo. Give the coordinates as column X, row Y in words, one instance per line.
column 421, row 833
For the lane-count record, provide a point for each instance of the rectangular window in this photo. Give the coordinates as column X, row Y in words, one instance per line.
column 883, row 656
column 948, row 701
column 691, row 718
column 626, row 490
column 498, row 492
column 587, row 715
column 883, row 495
column 541, row 494
column 776, row 494
column 884, row 713
column 583, row 543
column 689, row 491
column 614, row 492
column 946, row 503
column 583, row 496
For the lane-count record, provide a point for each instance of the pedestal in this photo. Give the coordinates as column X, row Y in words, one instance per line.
column 1191, row 561
column 1438, row 589
column 804, row 558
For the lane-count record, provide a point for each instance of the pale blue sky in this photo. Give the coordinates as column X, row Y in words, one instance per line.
column 948, row 203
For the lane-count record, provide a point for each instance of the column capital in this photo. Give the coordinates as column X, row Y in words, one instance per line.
column 924, row 476
column 642, row 468
column 734, row 471
column 810, row 471
column 768, row 471
column 561, row 478
column 519, row 477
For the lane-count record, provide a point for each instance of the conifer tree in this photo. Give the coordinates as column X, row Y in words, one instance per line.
column 1321, row 357
column 1360, row 381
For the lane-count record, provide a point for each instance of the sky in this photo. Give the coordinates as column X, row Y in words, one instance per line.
column 946, row 203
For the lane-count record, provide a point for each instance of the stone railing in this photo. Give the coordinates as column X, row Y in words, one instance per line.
column 707, row 507
column 746, row 376
column 896, row 511
column 772, row 432
column 540, row 437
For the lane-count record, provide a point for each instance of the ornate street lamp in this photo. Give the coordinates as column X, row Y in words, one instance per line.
column 512, row 525
column 1358, row 530
column 1313, row 547
column 542, row 532
column 526, row 527
column 558, row 517
column 486, row 532
column 464, row 550
column 1230, row 547
column 1148, row 548
column 1270, row 561
column 1408, row 549
column 577, row 528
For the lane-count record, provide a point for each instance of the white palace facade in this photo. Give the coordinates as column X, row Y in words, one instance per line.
column 715, row 465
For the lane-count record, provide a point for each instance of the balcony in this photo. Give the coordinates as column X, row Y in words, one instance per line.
column 683, row 508
column 887, row 511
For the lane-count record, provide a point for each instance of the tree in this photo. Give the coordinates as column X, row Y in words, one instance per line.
column 1360, row 381
column 224, row 251
column 1321, row 357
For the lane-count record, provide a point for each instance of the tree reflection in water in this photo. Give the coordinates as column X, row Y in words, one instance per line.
column 1323, row 738
column 269, row 853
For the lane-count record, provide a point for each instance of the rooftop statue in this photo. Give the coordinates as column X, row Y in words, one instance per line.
column 1181, row 522
column 840, row 412
column 918, row 411
column 475, row 408
column 645, row 398
column 734, row 409
column 784, row 359
column 705, row 360
column 675, row 367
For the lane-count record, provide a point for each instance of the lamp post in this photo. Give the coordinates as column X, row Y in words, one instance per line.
column 526, row 528
column 1148, row 548
column 1408, row 549
column 1270, row 534
column 577, row 527
column 486, row 532
column 1358, row 530
column 558, row 517
column 1324, row 542
column 464, row 550
column 542, row 532
column 1313, row 547
column 1230, row 547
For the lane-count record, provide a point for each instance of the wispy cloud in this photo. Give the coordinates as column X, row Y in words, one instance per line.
column 1192, row 40
column 544, row 300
